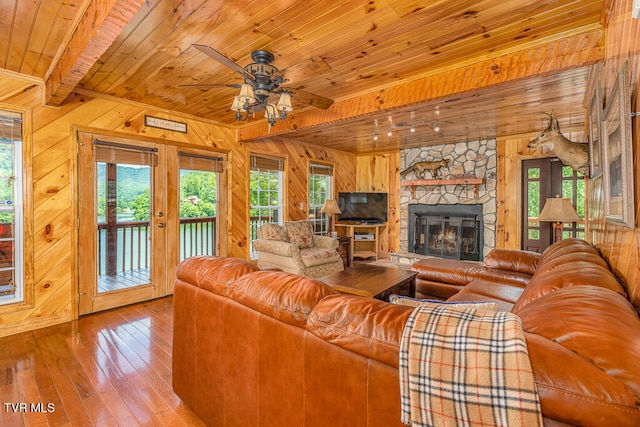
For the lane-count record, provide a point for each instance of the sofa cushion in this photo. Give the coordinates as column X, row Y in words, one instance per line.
column 435, row 290
column 274, row 232
column 492, row 290
column 283, row 296
column 366, row 326
column 317, row 256
column 213, row 273
column 300, row 233
column 596, row 370
column 575, row 391
column 447, row 271
column 513, row 260
column 576, row 273
column 472, row 297
column 569, row 250
column 457, row 272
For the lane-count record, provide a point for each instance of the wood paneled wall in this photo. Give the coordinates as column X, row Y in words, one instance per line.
column 51, row 207
column 620, row 245
column 381, row 172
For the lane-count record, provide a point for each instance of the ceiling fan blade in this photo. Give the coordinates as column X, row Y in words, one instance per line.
column 309, row 98
column 211, row 52
column 307, row 68
column 211, row 85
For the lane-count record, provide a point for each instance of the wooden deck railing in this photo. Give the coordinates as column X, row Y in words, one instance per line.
column 132, row 250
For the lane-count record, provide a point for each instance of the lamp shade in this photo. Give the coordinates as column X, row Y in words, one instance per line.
column 284, row 103
column 237, row 104
column 246, row 94
column 558, row 209
column 330, row 207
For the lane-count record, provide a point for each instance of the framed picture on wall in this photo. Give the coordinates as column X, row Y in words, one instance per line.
column 595, row 140
column 617, row 162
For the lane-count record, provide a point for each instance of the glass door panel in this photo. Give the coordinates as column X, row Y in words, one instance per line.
column 198, row 204
column 123, row 212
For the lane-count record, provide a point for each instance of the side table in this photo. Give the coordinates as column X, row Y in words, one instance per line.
column 344, row 248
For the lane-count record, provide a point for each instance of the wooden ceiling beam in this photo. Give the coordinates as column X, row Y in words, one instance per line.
column 102, row 22
column 545, row 59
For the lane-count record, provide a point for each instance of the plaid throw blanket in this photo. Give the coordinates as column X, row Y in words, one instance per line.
column 462, row 366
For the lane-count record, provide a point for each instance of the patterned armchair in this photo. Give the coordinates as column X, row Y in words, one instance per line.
column 295, row 249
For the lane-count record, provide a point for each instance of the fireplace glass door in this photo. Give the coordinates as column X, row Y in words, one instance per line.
column 447, row 237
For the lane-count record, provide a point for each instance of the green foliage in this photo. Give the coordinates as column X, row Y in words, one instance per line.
column 263, row 186
column 197, row 194
column 318, row 187
column 141, row 206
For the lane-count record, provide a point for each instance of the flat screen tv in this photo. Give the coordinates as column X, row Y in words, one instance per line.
column 362, row 208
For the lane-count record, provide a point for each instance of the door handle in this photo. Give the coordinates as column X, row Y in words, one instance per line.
column 161, row 225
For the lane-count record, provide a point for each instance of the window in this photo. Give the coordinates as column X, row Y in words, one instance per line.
column 266, row 189
column 320, row 177
column 11, row 234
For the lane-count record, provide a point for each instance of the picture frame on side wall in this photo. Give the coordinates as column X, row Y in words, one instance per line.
column 617, row 162
column 595, row 133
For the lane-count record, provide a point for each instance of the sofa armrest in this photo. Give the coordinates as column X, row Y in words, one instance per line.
column 513, row 260
column 277, row 247
column 325, row 242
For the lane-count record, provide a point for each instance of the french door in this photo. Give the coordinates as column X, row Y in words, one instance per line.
column 544, row 178
column 143, row 207
column 122, row 222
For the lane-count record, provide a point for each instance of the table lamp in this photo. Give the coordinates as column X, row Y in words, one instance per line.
column 558, row 210
column 330, row 207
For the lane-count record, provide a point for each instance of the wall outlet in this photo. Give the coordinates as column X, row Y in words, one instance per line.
column 302, row 203
column 636, row 9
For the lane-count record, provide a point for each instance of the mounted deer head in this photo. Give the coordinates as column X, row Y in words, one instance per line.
column 574, row 154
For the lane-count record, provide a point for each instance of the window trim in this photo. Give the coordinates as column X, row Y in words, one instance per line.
column 27, row 224
column 329, row 169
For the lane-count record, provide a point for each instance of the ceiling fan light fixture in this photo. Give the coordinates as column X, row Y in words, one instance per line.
column 262, row 79
column 237, row 105
column 246, row 94
column 271, row 113
column 284, row 103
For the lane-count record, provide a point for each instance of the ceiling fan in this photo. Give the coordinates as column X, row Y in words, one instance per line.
column 261, row 79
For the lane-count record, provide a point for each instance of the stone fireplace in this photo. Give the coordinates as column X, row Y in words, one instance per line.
column 450, row 221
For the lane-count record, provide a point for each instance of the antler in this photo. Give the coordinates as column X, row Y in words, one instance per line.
column 550, row 115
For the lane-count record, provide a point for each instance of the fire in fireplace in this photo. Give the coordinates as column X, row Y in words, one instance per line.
column 447, row 231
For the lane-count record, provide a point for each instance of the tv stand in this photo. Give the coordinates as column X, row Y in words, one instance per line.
column 365, row 247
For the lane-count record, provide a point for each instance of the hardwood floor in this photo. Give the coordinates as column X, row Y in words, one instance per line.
column 105, row 369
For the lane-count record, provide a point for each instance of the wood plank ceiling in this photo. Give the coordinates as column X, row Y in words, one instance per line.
column 364, row 48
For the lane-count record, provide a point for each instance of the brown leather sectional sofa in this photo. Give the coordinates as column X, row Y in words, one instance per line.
column 268, row 348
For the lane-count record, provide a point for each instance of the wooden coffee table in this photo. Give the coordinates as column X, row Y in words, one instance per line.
column 373, row 281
